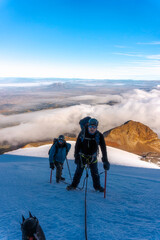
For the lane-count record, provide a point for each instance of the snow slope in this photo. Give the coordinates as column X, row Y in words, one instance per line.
column 130, row 211
column 116, row 156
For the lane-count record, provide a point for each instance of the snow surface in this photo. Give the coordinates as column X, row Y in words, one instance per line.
column 131, row 209
column 115, row 156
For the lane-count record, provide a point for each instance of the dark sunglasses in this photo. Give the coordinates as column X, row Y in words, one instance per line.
column 92, row 126
column 60, row 140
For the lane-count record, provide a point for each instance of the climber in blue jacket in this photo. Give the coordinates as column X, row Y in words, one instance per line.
column 57, row 156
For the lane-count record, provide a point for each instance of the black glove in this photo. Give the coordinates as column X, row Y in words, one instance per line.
column 52, row 165
column 106, row 166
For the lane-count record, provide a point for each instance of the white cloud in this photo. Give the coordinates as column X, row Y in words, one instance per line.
column 94, row 99
column 137, row 105
column 129, row 54
column 150, row 43
column 154, row 56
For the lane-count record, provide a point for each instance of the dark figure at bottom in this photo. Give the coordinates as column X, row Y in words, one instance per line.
column 31, row 229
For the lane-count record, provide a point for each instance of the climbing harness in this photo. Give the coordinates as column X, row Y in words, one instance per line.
column 87, row 159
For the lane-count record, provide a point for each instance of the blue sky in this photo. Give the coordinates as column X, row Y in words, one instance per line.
column 118, row 39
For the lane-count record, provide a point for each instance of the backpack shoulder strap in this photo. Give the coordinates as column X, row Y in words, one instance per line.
column 97, row 137
column 82, row 134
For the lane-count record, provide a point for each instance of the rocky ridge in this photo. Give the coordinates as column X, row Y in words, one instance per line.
column 137, row 138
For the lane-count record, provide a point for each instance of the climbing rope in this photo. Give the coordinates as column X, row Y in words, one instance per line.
column 86, row 180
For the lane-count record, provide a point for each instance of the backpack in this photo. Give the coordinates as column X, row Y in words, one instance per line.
column 83, row 124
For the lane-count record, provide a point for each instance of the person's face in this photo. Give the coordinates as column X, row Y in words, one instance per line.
column 60, row 141
column 92, row 129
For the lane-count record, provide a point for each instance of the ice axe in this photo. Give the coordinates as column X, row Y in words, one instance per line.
column 105, row 183
column 51, row 176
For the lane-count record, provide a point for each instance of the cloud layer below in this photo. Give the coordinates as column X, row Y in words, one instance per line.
column 137, row 105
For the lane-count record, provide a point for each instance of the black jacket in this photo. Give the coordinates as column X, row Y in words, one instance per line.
column 88, row 146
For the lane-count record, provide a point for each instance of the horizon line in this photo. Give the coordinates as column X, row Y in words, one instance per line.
column 68, row 78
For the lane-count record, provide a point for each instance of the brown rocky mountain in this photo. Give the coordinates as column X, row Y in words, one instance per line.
column 134, row 137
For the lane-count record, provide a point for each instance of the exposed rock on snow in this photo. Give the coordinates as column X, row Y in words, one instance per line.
column 133, row 137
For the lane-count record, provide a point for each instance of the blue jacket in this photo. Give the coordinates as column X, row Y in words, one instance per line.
column 58, row 153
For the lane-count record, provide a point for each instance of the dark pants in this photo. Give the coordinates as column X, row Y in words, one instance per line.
column 94, row 173
column 59, row 167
